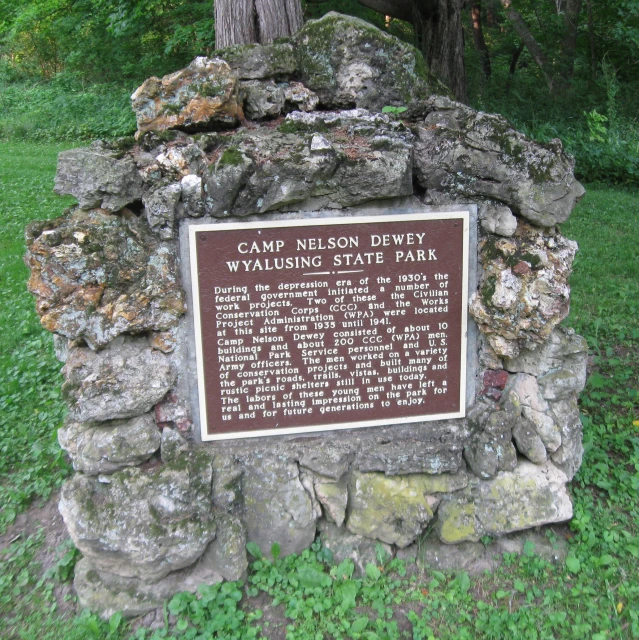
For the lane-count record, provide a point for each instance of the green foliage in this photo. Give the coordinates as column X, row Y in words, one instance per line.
column 63, row 109
column 31, row 462
column 102, row 40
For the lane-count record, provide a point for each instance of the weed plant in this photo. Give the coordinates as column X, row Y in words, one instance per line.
column 594, row 594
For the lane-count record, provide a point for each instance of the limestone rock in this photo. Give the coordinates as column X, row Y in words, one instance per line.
column 326, row 457
column 123, row 381
column 277, row 508
column 524, row 292
column 227, row 482
column 299, row 98
column 173, row 445
column 489, row 448
column 262, row 99
column 369, row 158
column 536, row 410
column 359, row 549
column 106, row 593
column 97, row 276
column 97, row 177
column 569, row 455
column 202, row 96
column 350, row 63
column 110, row 446
column 497, row 218
column 528, row 441
column 333, row 497
column 528, row 496
column 226, row 555
column 394, row 510
column 160, row 208
column 476, row 557
column 259, row 62
column 192, row 195
column 474, row 154
column 142, row 524
column 560, row 364
column 400, row 457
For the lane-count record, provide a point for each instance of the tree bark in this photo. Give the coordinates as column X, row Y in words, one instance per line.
column 572, row 10
column 255, row 21
column 277, row 19
column 439, row 32
column 234, row 23
column 478, row 38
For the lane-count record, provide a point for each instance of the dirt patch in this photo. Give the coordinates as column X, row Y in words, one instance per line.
column 45, row 516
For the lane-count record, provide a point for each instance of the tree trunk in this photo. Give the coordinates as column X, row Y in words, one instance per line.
column 478, row 38
column 591, row 38
column 515, row 59
column 559, row 77
column 234, row 23
column 438, row 28
column 255, row 21
column 530, row 43
column 572, row 10
column 278, row 19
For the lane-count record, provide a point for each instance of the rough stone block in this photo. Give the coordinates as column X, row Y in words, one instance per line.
column 474, row 154
column 528, row 496
column 202, row 96
column 394, row 510
column 277, row 508
column 524, row 293
column 122, row 381
column 351, row 169
column 97, row 276
column 142, row 524
column 350, row 63
column 97, row 177
column 110, row 446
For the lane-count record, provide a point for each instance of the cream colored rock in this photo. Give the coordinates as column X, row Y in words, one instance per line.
column 334, row 498
column 529, row 496
column 394, row 510
column 535, row 409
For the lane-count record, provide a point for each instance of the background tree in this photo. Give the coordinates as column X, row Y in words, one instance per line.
column 250, row 21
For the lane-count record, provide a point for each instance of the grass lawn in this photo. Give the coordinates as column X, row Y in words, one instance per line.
column 593, row 595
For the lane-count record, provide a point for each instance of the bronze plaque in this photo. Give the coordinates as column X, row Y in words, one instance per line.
column 329, row 323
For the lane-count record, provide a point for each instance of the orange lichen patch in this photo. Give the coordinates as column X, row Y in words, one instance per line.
column 198, row 97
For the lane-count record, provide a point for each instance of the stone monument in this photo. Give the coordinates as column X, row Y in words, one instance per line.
column 284, row 313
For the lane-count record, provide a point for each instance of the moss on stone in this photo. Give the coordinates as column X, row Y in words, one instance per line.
column 457, row 523
column 232, row 157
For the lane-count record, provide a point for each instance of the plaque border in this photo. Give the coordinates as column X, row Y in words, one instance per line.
column 463, row 215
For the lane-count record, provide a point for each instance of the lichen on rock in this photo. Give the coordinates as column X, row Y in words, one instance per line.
column 203, row 95
column 109, row 446
column 472, row 154
column 526, row 497
column 394, row 510
column 350, row 63
column 122, row 381
column 524, row 291
column 98, row 177
column 97, row 276
column 366, row 157
column 142, row 524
